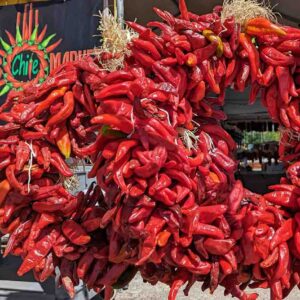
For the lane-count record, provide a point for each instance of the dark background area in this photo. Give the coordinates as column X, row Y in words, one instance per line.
column 143, row 12
column 73, row 20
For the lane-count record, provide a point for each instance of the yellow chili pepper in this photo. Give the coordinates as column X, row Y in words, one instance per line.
column 213, row 38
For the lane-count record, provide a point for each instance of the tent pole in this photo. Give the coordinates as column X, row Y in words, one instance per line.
column 120, row 10
column 105, row 7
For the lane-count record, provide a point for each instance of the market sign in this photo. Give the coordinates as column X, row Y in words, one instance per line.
column 37, row 38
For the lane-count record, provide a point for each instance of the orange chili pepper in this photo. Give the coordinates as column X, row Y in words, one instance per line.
column 63, row 141
column 163, row 237
column 191, row 60
column 4, row 189
column 214, row 177
column 262, row 26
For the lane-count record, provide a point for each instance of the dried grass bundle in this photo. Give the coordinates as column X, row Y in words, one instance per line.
column 115, row 37
column 243, row 10
column 72, row 183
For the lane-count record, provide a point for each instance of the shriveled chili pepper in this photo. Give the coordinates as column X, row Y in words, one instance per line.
column 75, row 233
column 272, row 56
column 208, row 230
column 235, row 197
column 57, row 161
column 143, row 58
column 49, row 268
column 218, row 246
column 190, row 261
column 289, row 46
column 283, row 76
column 209, row 76
column 147, row 47
column 20, row 233
column 53, row 96
column 293, row 173
column 252, row 54
column 206, row 52
column 183, row 10
column 120, row 122
column 198, row 92
column 272, row 105
column 42, row 248
column 220, row 132
column 5, row 187
column 22, row 155
column 180, row 279
column 242, row 76
column 66, row 269
column 88, row 65
column 196, row 39
column 283, row 261
column 113, row 274
column 283, row 234
column 293, row 112
column 65, row 112
column 11, row 177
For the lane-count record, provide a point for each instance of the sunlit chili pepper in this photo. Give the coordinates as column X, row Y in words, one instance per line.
column 120, row 122
column 65, row 112
column 43, row 247
column 261, row 26
column 53, row 96
column 75, row 233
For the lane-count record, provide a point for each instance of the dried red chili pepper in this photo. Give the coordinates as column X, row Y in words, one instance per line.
column 218, row 246
column 42, row 248
column 283, row 76
column 65, row 112
column 252, row 54
column 283, row 234
column 53, row 96
column 272, row 56
column 261, row 26
column 75, row 233
column 120, row 122
column 57, row 161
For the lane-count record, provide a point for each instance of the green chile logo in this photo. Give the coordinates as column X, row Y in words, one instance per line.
column 25, row 66
column 25, row 57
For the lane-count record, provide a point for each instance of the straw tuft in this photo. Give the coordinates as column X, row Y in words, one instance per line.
column 244, row 10
column 115, row 37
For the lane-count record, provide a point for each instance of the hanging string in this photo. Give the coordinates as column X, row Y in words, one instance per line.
column 32, row 156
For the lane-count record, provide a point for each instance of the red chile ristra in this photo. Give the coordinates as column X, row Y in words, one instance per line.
column 166, row 202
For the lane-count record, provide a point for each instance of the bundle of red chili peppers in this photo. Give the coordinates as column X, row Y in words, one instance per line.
column 166, row 202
